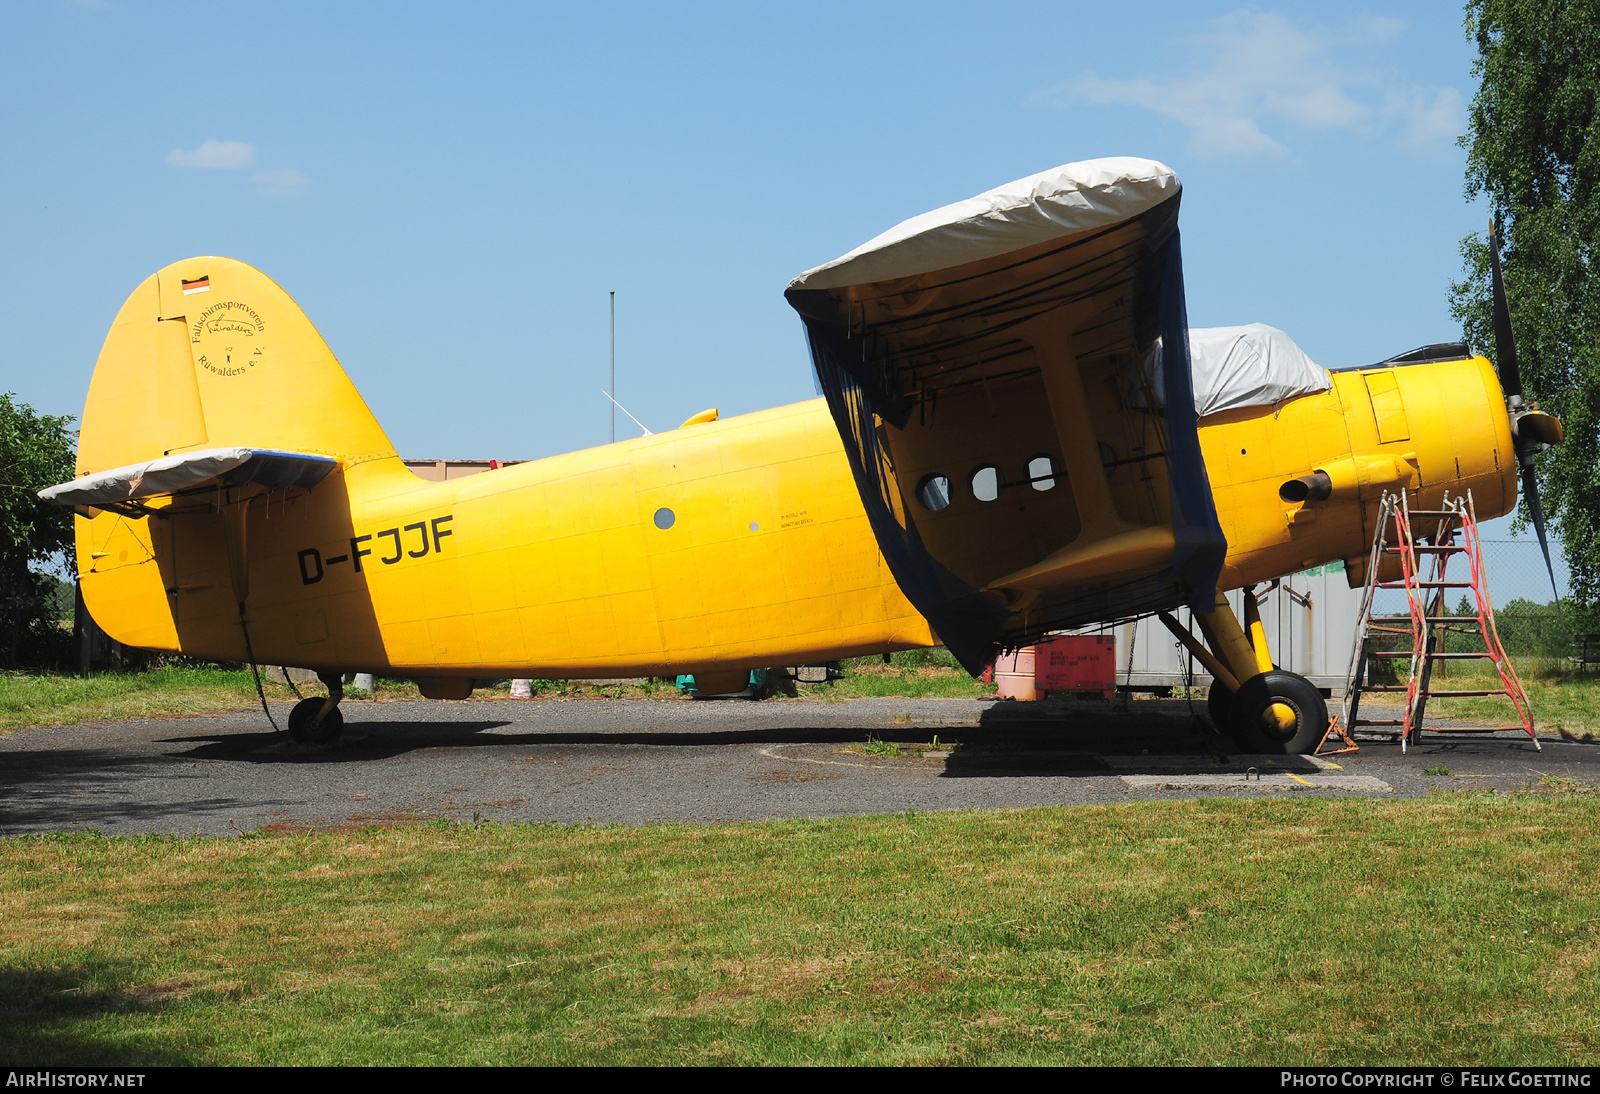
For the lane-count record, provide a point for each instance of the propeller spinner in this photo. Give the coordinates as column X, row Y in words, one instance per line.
column 1532, row 430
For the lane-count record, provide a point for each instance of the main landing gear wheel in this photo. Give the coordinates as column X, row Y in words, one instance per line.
column 1219, row 705
column 306, row 728
column 1279, row 712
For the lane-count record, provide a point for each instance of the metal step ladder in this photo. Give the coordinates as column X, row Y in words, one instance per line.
column 1425, row 542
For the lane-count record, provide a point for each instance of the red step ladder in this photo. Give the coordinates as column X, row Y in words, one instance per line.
column 1426, row 542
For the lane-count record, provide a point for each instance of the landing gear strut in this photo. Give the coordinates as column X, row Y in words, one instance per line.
column 316, row 721
column 1271, row 710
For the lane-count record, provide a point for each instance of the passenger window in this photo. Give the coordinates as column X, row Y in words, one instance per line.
column 934, row 492
column 1042, row 472
column 986, row 483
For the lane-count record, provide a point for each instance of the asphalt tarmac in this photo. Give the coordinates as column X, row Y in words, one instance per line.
column 644, row 761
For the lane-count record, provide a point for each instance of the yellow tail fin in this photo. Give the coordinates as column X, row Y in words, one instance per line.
column 211, row 352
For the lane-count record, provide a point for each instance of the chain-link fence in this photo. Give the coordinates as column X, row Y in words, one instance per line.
column 1530, row 622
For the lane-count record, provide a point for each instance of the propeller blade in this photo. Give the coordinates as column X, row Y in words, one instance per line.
column 1530, row 490
column 1505, row 345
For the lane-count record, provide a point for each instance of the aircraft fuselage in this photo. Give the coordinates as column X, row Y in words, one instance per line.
column 717, row 547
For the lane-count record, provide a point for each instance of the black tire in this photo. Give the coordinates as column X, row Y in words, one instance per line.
column 1254, row 726
column 307, row 729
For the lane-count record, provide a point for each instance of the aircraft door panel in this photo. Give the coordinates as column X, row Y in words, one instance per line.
column 200, row 569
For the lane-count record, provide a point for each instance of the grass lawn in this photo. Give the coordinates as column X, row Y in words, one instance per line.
column 29, row 699
column 1563, row 697
column 32, row 699
column 909, row 674
column 1455, row 929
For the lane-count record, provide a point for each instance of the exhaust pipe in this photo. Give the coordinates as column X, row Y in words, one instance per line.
column 1316, row 486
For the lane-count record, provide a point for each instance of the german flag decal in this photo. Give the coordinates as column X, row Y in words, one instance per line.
column 199, row 284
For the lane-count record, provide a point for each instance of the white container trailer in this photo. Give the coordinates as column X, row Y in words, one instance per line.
column 1310, row 620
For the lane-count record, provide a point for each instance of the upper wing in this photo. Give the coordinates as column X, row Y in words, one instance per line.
column 189, row 473
column 976, row 360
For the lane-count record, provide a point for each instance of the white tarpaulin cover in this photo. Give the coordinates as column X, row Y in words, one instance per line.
column 1060, row 202
column 189, row 470
column 1252, row 365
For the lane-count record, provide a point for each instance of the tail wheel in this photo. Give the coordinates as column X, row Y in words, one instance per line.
column 1279, row 712
column 307, row 729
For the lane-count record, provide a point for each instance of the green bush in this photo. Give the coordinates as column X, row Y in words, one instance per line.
column 36, row 451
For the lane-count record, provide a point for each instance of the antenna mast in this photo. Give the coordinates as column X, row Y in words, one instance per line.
column 613, row 366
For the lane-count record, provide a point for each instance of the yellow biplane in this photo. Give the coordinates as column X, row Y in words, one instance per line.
column 1018, row 434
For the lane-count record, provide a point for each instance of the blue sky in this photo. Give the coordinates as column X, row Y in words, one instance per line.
column 450, row 192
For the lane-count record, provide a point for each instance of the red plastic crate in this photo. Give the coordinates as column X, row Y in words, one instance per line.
column 1077, row 662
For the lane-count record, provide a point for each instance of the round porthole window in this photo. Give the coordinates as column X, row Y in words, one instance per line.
column 1108, row 457
column 986, row 483
column 664, row 518
column 1042, row 472
column 934, row 492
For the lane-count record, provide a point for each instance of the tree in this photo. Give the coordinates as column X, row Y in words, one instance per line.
column 35, row 451
column 1533, row 148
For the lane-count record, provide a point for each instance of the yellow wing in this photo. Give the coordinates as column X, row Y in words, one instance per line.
column 983, row 364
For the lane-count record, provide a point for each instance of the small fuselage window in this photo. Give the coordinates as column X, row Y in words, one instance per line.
column 986, row 483
column 934, row 492
column 1108, row 457
column 1042, row 472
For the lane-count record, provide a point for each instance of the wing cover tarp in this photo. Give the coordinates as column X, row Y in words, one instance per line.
column 1234, row 368
column 188, row 472
column 1083, row 230
column 1053, row 204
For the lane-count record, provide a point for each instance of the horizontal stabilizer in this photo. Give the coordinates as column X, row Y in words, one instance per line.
column 190, row 472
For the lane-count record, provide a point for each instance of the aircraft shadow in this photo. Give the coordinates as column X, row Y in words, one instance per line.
column 38, row 788
column 367, row 741
column 1003, row 744
column 1088, row 739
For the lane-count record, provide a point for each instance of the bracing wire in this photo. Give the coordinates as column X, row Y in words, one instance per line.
column 255, row 670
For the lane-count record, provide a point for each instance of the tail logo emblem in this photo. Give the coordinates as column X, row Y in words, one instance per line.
column 226, row 323
column 216, row 333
